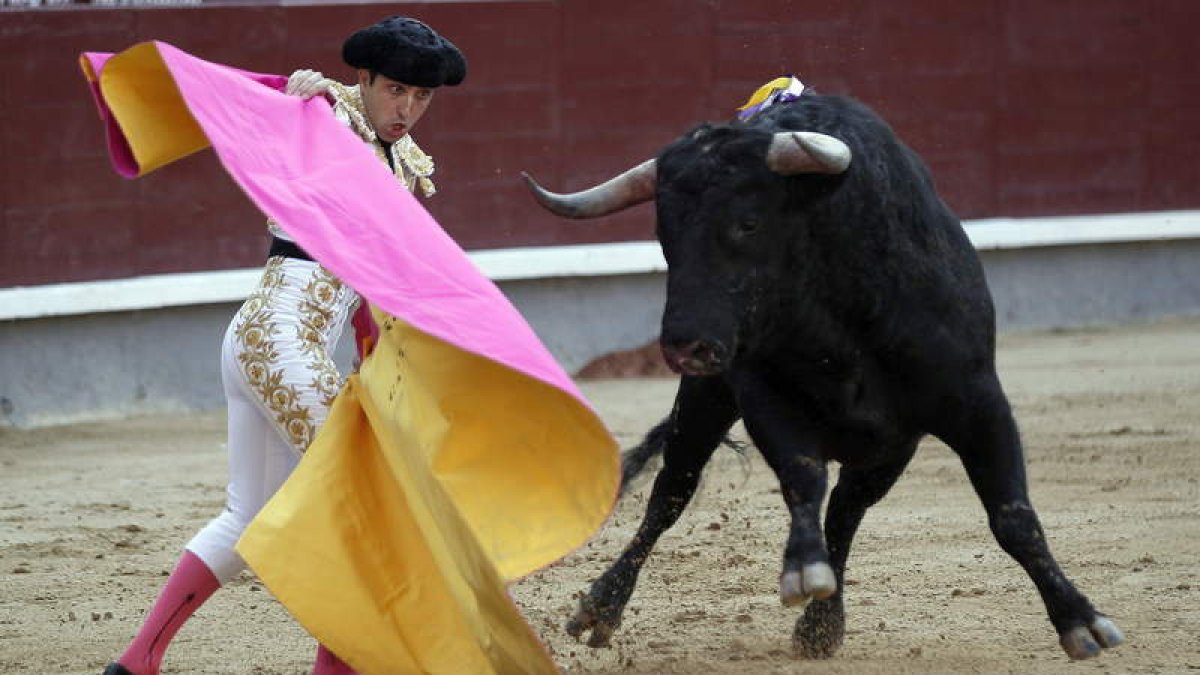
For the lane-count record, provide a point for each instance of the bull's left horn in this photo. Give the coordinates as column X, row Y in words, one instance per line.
column 625, row 190
column 795, row 152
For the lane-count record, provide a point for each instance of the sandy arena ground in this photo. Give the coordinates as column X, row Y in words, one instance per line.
column 93, row 516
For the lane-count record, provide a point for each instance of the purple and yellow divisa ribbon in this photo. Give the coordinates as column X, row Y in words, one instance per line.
column 778, row 90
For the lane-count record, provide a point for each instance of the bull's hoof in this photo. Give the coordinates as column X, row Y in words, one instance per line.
column 590, row 618
column 1085, row 642
column 820, row 631
column 815, row 580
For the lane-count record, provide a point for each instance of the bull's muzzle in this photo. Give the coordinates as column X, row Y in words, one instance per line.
column 696, row 358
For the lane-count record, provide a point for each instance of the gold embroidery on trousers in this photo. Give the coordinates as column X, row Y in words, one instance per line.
column 258, row 335
column 317, row 311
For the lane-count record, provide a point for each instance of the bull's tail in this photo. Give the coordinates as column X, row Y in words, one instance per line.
column 634, row 461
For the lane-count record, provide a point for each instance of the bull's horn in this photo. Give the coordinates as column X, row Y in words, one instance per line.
column 632, row 187
column 794, row 152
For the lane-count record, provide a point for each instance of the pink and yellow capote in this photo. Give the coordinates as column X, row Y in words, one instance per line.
column 459, row 457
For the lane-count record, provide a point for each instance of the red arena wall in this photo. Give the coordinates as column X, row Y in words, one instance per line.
column 1020, row 107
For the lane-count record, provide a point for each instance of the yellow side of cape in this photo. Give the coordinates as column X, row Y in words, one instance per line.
column 148, row 107
column 438, row 477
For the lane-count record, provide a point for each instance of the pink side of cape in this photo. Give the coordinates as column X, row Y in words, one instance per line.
column 328, row 190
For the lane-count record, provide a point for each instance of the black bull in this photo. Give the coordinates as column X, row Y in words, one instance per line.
column 820, row 290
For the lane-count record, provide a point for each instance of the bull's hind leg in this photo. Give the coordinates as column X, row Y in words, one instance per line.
column 990, row 447
column 704, row 411
column 819, row 631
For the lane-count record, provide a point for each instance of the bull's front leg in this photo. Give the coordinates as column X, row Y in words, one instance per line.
column 789, row 448
column 806, row 574
column 704, row 411
column 990, row 448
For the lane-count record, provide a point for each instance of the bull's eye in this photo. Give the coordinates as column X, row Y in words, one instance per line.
column 747, row 226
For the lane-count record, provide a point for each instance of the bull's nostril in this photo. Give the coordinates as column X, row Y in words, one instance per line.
column 711, row 353
column 694, row 356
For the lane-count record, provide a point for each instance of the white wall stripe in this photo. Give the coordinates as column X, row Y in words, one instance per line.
column 1001, row 233
column 219, row 286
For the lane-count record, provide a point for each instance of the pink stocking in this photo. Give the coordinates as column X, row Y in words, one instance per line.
column 329, row 664
column 190, row 584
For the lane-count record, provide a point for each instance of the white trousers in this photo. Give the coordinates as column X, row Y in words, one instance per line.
column 279, row 379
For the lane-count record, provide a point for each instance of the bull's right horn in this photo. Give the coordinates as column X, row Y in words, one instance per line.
column 627, row 189
column 796, row 152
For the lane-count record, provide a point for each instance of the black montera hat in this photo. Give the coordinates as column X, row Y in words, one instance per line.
column 407, row 51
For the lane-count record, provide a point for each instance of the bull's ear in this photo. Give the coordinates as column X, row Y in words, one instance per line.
column 797, row 152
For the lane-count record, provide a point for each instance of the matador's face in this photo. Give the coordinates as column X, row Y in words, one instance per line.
column 393, row 108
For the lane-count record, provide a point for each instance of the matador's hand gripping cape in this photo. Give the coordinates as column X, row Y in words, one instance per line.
column 459, row 458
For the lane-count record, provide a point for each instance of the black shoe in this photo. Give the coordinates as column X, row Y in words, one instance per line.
column 116, row 669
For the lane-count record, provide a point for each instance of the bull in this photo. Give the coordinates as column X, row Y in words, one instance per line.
column 820, row 290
